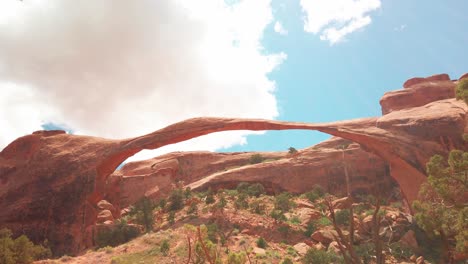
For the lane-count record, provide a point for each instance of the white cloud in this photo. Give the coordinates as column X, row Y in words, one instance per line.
column 280, row 29
column 334, row 19
column 124, row 68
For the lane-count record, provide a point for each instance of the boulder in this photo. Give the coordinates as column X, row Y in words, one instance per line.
column 333, row 247
column 342, row 203
column 324, row 236
column 301, row 248
column 259, row 251
column 105, row 215
column 105, row 205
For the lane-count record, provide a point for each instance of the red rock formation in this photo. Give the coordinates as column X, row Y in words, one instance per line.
column 50, row 182
column 320, row 164
column 418, row 92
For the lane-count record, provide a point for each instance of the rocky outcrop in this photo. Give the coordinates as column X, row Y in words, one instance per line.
column 418, row 92
column 56, row 180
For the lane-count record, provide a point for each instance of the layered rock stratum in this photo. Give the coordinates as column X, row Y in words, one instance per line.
column 51, row 182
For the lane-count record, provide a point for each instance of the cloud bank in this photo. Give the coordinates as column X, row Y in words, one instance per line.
column 279, row 28
column 116, row 69
column 335, row 19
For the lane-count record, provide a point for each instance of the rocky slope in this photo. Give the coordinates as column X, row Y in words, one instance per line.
column 56, row 180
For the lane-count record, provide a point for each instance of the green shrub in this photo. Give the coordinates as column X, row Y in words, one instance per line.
column 342, row 216
column 283, row 202
column 256, row 190
column 188, row 193
column 323, row 221
column 209, row 197
column 222, row 201
column 365, row 251
column 176, row 199
column 257, row 207
column 171, row 217
column 315, row 256
column 462, row 90
column 256, row 158
column 164, row 248
column 310, row 229
column 20, row 250
column 193, row 209
column 237, row 258
column 162, row 203
column 292, row 150
column 119, row 234
column 261, row 242
column 400, row 251
column 295, row 220
column 287, row 261
column 142, row 212
column 316, row 192
column 278, row 215
column 212, row 232
column 241, row 201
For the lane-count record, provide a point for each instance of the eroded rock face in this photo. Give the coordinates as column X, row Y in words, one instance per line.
column 51, row 182
column 321, row 164
column 418, row 92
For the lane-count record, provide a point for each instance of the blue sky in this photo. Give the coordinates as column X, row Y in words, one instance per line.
column 320, row 82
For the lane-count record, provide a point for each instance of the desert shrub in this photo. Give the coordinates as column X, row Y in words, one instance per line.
column 20, row 250
column 256, row 190
column 164, row 248
column 256, row 158
column 212, row 232
column 242, row 187
column 287, row 261
column 162, row 203
column 188, row 192
column 241, row 201
column 257, row 207
column 365, row 251
column 261, row 242
column 222, row 201
column 295, row 220
column 236, row 258
column 316, row 192
column 209, row 197
column 119, row 234
column 323, row 221
column 193, row 209
column 400, row 251
column 176, row 199
column 283, row 202
column 462, row 90
column 315, row 256
column 292, row 150
column 278, row 215
column 310, row 229
column 142, row 212
column 171, row 217
column 342, row 217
